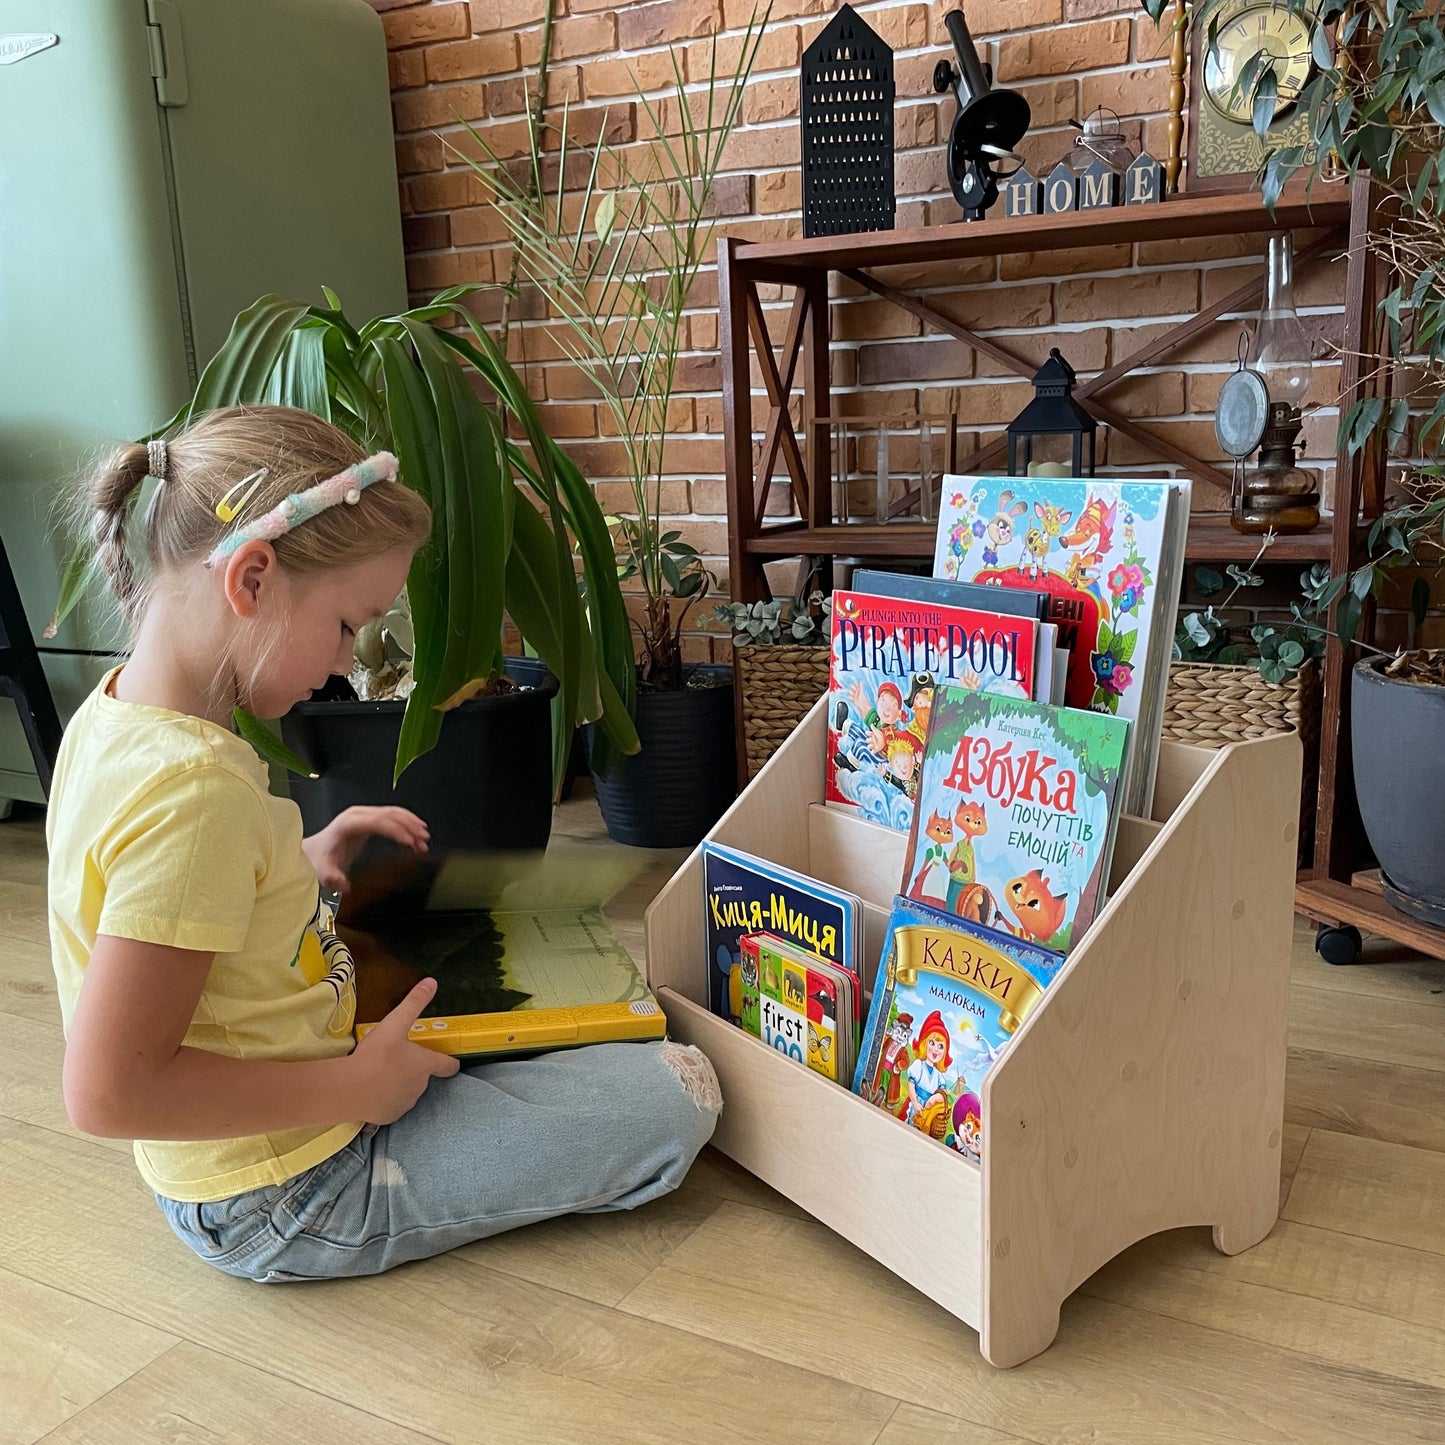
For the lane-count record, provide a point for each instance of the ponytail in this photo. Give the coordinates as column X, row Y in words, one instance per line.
column 113, row 493
column 258, row 456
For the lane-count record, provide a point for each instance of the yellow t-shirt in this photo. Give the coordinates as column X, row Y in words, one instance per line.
column 161, row 828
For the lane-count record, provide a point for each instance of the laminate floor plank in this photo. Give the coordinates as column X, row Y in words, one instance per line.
column 1398, row 1032
column 60, row 1353
column 195, row 1396
column 1366, row 1099
column 31, row 1053
column 1117, row 1373
column 1372, row 1189
column 449, row 1347
column 1290, row 1296
column 27, row 981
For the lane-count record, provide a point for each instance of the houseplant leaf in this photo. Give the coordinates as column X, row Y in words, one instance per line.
column 241, row 369
column 414, row 435
column 478, row 516
column 269, row 746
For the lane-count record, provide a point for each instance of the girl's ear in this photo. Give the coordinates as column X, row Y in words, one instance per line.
column 250, row 570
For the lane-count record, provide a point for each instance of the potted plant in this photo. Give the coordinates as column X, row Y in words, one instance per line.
column 1228, row 684
column 616, row 265
column 1397, row 706
column 1375, row 107
column 780, row 667
column 505, row 513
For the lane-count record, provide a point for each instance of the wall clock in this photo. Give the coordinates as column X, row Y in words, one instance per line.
column 1224, row 153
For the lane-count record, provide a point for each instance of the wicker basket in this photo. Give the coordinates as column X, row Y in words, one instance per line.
column 1210, row 706
column 776, row 685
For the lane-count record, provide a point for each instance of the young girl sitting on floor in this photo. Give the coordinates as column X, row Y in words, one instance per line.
column 208, row 1009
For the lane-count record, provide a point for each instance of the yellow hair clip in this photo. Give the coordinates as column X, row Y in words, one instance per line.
column 228, row 510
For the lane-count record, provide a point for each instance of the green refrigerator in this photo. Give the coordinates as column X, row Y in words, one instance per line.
column 162, row 164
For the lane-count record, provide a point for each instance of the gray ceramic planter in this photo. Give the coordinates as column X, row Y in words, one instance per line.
column 1398, row 742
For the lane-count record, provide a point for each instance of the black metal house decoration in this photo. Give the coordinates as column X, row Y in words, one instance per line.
column 846, row 110
column 1052, row 412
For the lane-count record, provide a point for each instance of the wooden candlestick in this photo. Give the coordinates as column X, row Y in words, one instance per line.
column 1177, row 54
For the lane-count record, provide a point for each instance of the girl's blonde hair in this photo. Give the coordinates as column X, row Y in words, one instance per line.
column 205, row 462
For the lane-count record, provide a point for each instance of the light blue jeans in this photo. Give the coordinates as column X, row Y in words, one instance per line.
column 498, row 1145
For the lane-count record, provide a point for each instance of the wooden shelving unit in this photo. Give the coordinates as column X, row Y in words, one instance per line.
column 1211, row 538
column 800, row 368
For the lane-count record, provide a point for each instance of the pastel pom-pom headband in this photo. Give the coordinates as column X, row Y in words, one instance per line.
column 300, row 507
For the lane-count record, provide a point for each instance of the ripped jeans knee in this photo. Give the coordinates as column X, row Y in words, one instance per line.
column 695, row 1073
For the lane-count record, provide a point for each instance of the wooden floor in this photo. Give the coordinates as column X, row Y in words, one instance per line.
column 724, row 1314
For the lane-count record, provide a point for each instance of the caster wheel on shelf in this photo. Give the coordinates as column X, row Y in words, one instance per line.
column 1339, row 945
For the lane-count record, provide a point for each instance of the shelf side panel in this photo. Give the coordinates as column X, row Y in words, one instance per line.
column 845, row 1162
column 1146, row 1092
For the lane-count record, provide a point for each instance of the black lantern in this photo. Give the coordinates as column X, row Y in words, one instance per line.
column 1052, row 412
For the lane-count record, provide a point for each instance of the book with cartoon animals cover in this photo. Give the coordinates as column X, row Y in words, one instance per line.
column 1015, row 820
column 1110, row 554
column 799, row 1005
column 948, row 998
column 887, row 656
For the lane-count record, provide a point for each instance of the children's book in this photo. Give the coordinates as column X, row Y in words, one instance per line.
column 523, row 956
column 1015, row 815
column 1110, row 555
column 1017, row 602
column 743, row 894
column 946, row 1002
column 888, row 654
column 799, row 1005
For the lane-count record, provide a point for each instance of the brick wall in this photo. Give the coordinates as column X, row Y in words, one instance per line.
column 453, row 61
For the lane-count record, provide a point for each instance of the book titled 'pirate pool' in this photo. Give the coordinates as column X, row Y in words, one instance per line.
column 887, row 656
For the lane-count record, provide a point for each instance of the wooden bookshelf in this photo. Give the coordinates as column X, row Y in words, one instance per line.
column 1143, row 1093
column 1340, row 214
column 1211, row 538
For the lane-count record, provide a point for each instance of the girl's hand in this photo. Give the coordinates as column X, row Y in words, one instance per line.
column 392, row 1072
column 333, row 850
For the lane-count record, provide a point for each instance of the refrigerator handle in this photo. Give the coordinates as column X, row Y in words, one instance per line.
column 168, row 52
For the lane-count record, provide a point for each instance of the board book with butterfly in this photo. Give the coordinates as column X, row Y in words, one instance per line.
column 524, row 958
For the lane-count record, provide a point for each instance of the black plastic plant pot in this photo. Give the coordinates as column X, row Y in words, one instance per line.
column 685, row 777
column 486, row 786
column 533, row 672
column 1396, row 731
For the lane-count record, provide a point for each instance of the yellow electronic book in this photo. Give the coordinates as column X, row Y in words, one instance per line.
column 524, row 959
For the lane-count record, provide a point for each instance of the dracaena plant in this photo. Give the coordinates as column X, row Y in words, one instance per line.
column 1376, row 106
column 616, row 264
column 507, row 504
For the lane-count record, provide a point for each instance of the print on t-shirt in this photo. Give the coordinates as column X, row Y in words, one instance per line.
column 323, row 957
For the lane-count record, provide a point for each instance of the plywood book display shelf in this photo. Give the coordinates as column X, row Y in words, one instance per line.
column 1144, row 1093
